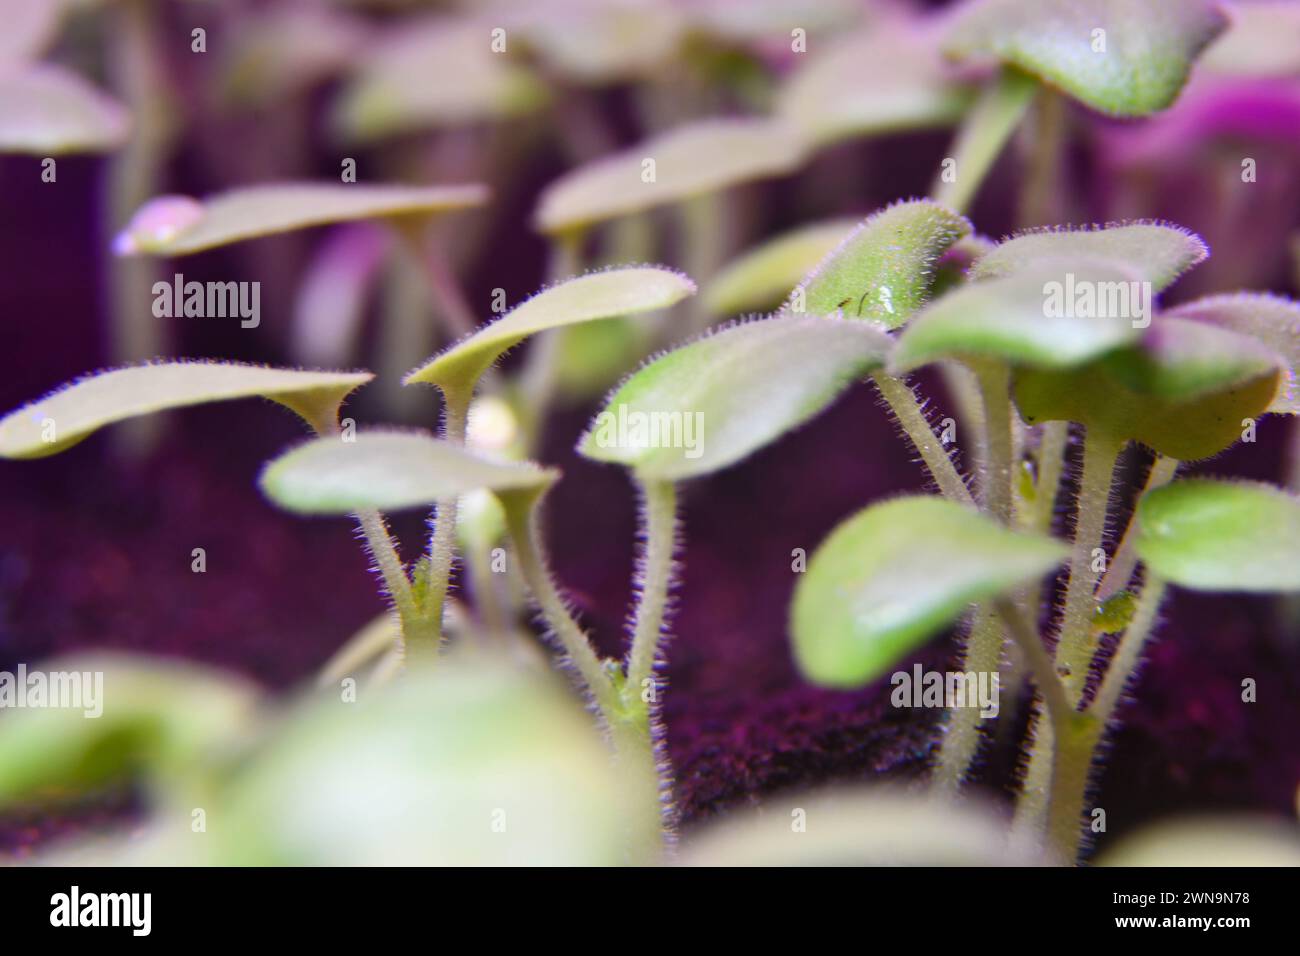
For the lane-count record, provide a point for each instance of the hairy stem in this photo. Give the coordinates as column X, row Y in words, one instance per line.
column 961, row 738
column 442, row 544
column 1120, row 573
column 1051, row 467
column 911, row 418
column 659, row 523
column 1128, row 653
column 522, row 524
column 1074, row 651
column 995, row 388
column 984, row 131
column 1040, row 662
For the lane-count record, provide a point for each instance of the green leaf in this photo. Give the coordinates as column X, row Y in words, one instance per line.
column 1221, row 536
column 387, row 471
column 1270, row 319
column 755, row 22
column 594, row 355
column 1185, row 392
column 598, row 295
column 883, row 270
column 691, row 160
column 167, row 720
column 429, row 73
column 1136, row 65
column 765, row 275
column 714, row 401
column 885, row 79
column 46, row 111
column 895, row 574
column 859, row 826
column 66, row 416
column 469, row 763
column 1155, row 252
column 180, row 225
column 1034, row 317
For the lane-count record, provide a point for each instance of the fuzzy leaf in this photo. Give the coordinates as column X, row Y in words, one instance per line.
column 598, row 295
column 46, row 110
column 1221, row 536
column 691, row 160
column 432, row 73
column 1270, row 319
column 418, row 774
column 1155, row 252
column 66, row 416
column 720, row 398
column 387, row 471
column 894, row 574
column 180, row 225
column 1027, row 319
column 1135, row 66
column 1184, row 392
column 883, row 270
column 885, row 79
column 765, row 275
column 163, row 718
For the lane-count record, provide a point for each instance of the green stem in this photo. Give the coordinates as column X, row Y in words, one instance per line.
column 1120, row 572
column 902, row 401
column 961, row 737
column 522, row 525
column 1074, row 651
column 492, row 615
column 659, row 523
column 984, row 132
column 1129, row 650
column 1051, row 468
column 1040, row 662
column 995, row 388
column 442, row 544
column 1040, row 197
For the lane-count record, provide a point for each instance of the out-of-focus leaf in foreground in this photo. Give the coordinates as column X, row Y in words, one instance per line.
column 162, row 719
column 462, row 764
column 71, row 413
column 1209, row 842
column 862, row 826
column 893, row 575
